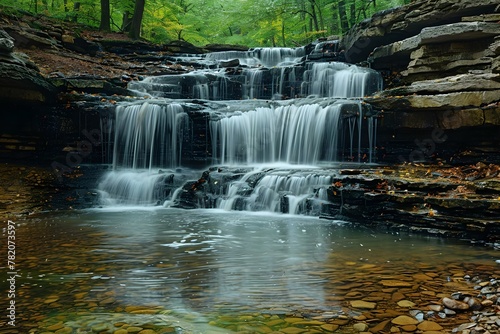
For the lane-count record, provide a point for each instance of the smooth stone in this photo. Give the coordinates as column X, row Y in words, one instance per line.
column 422, row 277
column 360, row 327
column 409, row 328
column 330, row 327
column 167, row 330
column 99, row 328
column 274, row 322
column 447, row 311
column 50, row 300
column 293, row 330
column 466, row 326
column 487, row 302
column 55, row 327
column 435, row 308
column 106, row 301
column 80, row 295
column 404, row 320
column 363, row 304
column 397, row 296
column 406, row 303
column 134, row 329
column 309, row 323
column 120, row 331
column 454, row 304
column 380, row 326
column 65, row 330
column 428, row 293
column 429, row 326
column 474, row 303
column 147, row 331
column 340, row 322
column 396, row 283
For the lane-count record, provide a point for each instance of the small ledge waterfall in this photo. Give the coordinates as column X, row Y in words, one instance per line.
column 274, row 124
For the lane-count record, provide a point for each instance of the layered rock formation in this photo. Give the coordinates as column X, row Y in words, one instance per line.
column 441, row 60
column 20, row 79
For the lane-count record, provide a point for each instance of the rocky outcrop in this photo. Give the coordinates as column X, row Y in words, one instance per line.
column 406, row 21
column 441, row 63
column 20, row 79
column 409, row 197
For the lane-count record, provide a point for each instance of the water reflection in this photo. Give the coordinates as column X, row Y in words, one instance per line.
column 214, row 262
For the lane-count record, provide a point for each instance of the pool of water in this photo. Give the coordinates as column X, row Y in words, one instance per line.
column 203, row 271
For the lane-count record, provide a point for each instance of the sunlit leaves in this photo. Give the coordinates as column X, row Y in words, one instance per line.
column 247, row 22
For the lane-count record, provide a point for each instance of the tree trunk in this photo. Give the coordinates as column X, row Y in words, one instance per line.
column 126, row 21
column 105, row 16
column 353, row 14
column 283, row 33
column 335, row 18
column 314, row 16
column 344, row 24
column 135, row 26
column 76, row 9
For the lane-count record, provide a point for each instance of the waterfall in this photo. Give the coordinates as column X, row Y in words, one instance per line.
column 147, row 135
column 339, row 80
column 292, row 134
column 267, row 118
column 267, row 57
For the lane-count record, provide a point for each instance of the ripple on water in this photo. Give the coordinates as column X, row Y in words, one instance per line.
column 168, row 269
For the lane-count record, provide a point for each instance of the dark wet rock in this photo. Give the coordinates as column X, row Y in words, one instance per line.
column 181, row 47
column 230, row 63
column 91, row 85
column 225, row 47
column 80, row 45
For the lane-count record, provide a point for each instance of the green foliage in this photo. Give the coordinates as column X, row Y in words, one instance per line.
column 247, row 22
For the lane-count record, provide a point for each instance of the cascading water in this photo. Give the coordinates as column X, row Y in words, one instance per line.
column 241, row 119
column 289, row 134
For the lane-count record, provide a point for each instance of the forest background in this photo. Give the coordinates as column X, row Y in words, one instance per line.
column 285, row 23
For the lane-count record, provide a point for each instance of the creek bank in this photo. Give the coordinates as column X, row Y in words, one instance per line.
column 459, row 202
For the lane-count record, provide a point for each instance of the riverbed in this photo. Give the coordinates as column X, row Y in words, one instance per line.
column 167, row 270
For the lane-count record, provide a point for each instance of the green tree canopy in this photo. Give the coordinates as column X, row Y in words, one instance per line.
column 247, row 22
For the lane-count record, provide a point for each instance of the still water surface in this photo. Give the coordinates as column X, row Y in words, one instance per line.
column 191, row 267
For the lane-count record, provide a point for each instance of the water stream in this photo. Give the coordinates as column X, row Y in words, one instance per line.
column 217, row 271
column 251, row 256
column 251, row 123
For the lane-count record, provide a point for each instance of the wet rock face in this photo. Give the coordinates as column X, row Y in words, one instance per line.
column 20, row 80
column 411, row 198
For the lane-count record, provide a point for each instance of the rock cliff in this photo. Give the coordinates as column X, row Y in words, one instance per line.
column 441, row 61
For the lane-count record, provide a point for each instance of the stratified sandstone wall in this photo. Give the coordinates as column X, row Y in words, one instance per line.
column 441, row 61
